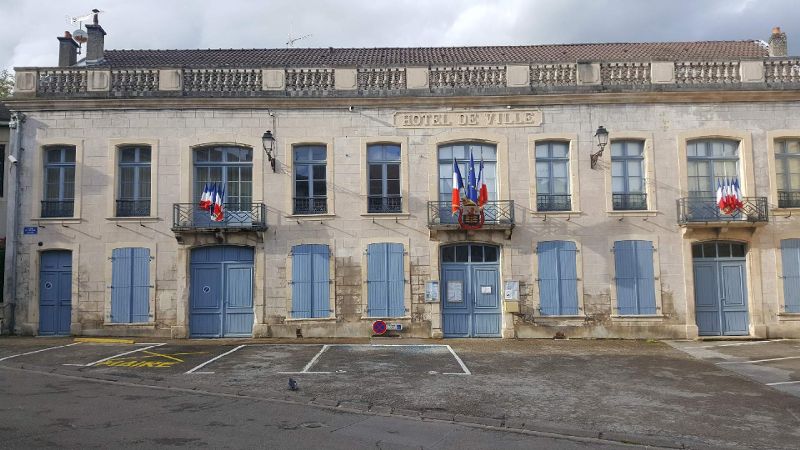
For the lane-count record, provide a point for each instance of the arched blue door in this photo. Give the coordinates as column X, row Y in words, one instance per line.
column 55, row 293
column 221, row 292
column 720, row 289
column 470, row 291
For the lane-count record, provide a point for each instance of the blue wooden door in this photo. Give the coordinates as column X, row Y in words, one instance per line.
column 720, row 291
column 55, row 293
column 221, row 292
column 470, row 298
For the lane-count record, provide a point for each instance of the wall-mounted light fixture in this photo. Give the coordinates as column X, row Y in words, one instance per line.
column 268, row 141
column 602, row 140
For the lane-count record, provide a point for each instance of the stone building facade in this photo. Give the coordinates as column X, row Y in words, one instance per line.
column 353, row 222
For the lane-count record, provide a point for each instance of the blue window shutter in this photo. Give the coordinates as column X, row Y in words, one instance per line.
column 377, row 281
column 121, row 261
column 549, row 285
column 645, row 277
column 625, row 266
column 568, row 275
column 790, row 257
column 320, row 306
column 397, row 285
column 302, row 281
column 140, row 287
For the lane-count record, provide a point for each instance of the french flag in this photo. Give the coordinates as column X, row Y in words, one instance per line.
column 205, row 198
column 217, row 208
column 458, row 183
column 483, row 191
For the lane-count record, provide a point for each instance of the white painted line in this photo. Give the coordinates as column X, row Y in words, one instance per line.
column 121, row 354
column 302, row 373
column 149, row 343
column 39, row 351
column 194, row 369
column 314, row 359
column 460, row 362
column 736, row 344
column 783, row 382
column 759, row 360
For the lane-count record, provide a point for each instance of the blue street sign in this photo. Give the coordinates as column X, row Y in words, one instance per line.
column 30, row 230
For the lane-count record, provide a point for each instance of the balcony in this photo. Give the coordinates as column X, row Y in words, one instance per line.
column 306, row 205
column 60, row 208
column 704, row 211
column 379, row 204
column 498, row 215
column 788, row 199
column 553, row 202
column 238, row 217
column 629, row 202
column 133, row 208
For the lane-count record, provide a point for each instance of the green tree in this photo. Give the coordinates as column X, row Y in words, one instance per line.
column 6, row 83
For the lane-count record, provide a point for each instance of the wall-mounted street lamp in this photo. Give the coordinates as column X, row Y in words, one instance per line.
column 268, row 141
column 602, row 139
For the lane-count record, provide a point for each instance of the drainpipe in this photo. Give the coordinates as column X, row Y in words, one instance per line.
column 12, row 245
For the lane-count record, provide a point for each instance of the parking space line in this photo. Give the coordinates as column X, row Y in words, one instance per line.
column 116, row 356
column 736, row 344
column 783, row 382
column 460, row 362
column 194, row 369
column 39, row 351
column 759, row 360
column 313, row 360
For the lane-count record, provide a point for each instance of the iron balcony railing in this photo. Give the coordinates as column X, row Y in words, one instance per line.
column 706, row 209
column 60, row 208
column 629, row 201
column 307, row 205
column 788, row 199
column 381, row 204
column 553, row 202
column 133, row 208
column 496, row 213
column 237, row 216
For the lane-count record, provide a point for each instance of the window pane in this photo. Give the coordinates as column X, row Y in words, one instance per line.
column 201, row 155
column 617, row 169
column 542, row 151
column 724, row 250
column 126, row 178
column 560, row 186
column 318, row 153
column 319, row 172
column 375, row 187
column 476, row 253
column 319, row 189
column 392, row 152
column 302, row 154
column 375, row 172
column 635, row 168
column 215, row 155
column 301, row 172
column 232, row 155
column 635, row 148
column 710, row 250
column 301, row 189
column 617, row 149
column 542, row 169
column 393, row 187
column 393, row 171
column 738, row 250
column 618, row 184
column 461, row 253
column 445, row 153
column 560, row 150
column 792, row 146
column 374, row 153
column 144, row 154
column 144, row 182
column 490, row 254
column 560, row 169
column 697, row 251
column 635, row 184
column 69, row 155
column 127, row 155
column 448, row 254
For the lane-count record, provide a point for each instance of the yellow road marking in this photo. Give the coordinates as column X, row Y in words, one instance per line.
column 105, row 340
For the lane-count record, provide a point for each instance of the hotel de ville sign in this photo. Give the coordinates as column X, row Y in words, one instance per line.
column 470, row 119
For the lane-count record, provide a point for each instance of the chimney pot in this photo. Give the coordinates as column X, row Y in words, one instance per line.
column 777, row 43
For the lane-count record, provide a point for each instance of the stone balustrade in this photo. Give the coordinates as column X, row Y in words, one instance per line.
column 555, row 77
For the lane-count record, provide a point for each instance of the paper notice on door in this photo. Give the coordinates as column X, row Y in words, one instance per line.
column 455, row 292
column 486, row 289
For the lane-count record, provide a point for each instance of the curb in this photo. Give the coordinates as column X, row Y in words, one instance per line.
column 104, row 340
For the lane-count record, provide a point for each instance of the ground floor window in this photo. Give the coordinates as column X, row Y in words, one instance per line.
column 790, row 257
column 310, row 281
column 130, row 285
column 385, row 280
column 558, row 278
column 633, row 262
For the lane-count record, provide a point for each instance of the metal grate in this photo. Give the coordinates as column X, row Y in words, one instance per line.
column 553, row 202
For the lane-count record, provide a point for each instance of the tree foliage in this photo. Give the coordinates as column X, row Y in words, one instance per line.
column 6, row 83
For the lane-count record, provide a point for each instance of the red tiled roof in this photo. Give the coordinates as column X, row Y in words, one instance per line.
column 423, row 56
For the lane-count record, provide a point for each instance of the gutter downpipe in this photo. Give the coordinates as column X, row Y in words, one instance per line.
column 10, row 294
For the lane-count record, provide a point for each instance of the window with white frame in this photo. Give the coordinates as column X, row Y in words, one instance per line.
column 383, row 169
column 133, row 194
column 787, row 164
column 627, row 175
column 310, row 179
column 552, row 176
column 59, row 182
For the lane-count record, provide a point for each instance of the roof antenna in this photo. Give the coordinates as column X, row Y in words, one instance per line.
column 80, row 34
column 290, row 42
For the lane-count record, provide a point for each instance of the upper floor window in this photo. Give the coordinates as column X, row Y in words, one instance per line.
column 383, row 196
column 787, row 158
column 461, row 153
column 310, row 179
column 59, row 182
column 627, row 175
column 552, row 176
column 133, row 195
column 711, row 161
column 228, row 167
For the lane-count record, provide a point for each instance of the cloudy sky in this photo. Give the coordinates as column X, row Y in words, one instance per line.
column 29, row 28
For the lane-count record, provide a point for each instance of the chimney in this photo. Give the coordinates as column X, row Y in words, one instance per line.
column 777, row 43
column 67, row 50
column 94, row 47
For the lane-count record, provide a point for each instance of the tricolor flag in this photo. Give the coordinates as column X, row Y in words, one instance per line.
column 729, row 195
column 217, row 208
column 458, row 183
column 205, row 198
column 483, row 191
